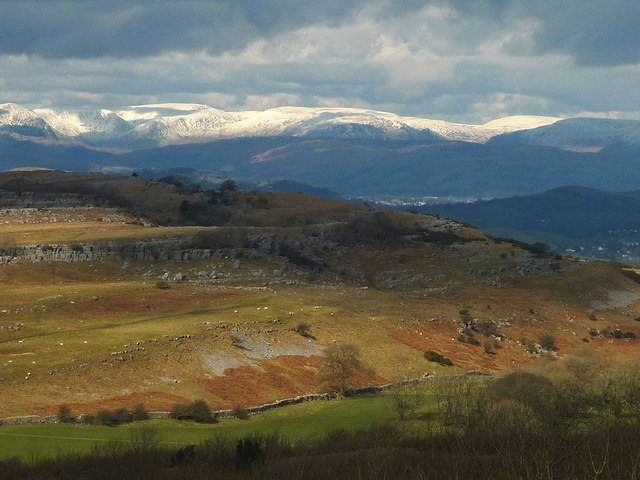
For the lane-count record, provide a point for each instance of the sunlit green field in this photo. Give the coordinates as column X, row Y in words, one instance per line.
column 296, row 422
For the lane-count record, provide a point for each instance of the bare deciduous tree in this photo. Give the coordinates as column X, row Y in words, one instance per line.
column 340, row 364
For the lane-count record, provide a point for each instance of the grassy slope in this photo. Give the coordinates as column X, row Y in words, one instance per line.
column 136, row 349
column 400, row 322
column 297, row 422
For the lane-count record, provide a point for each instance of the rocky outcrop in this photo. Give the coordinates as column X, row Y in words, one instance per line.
column 76, row 252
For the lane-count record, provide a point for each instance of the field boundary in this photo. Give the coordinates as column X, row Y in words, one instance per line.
column 27, row 419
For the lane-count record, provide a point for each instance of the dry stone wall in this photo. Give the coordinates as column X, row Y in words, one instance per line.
column 269, row 406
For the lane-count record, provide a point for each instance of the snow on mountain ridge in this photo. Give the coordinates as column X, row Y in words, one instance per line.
column 522, row 122
column 14, row 114
column 21, row 121
column 141, row 126
column 100, row 124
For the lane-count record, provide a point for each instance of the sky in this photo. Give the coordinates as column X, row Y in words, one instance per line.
column 459, row 60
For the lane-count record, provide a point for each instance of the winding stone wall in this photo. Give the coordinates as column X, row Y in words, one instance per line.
column 269, row 406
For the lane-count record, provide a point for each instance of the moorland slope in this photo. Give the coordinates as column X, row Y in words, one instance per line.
column 212, row 307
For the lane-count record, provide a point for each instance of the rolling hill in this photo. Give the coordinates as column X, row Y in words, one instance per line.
column 109, row 301
column 355, row 167
column 579, row 220
column 582, row 134
column 354, row 152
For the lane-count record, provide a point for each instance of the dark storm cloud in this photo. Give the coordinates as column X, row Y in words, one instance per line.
column 464, row 60
column 594, row 32
column 84, row 29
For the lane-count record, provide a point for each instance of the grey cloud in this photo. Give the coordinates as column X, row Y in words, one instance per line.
column 452, row 59
column 80, row 29
column 593, row 32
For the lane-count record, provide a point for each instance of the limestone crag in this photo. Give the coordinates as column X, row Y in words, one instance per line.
column 77, row 252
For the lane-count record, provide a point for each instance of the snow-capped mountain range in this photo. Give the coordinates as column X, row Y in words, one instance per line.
column 146, row 126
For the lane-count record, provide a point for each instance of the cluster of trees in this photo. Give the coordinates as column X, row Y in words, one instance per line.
column 557, row 393
column 197, row 411
column 578, row 417
column 109, row 418
column 498, row 451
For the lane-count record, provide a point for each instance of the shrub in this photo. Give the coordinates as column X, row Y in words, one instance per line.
column 122, row 415
column 144, row 439
column 369, row 228
column 437, row 358
column 239, row 411
column 528, row 344
column 162, row 285
column 202, row 212
column 617, row 333
column 535, row 392
column 548, row 342
column 249, row 452
column 184, row 456
column 407, row 398
column 107, row 418
column 468, row 338
column 592, row 316
column 201, row 412
column 89, row 419
column 540, row 248
column 487, row 327
column 629, row 335
column 228, row 185
column 487, row 344
column 139, row 413
column 237, row 340
column 180, row 411
column 175, row 180
column 593, row 333
column 466, row 318
column 300, row 258
column 64, row 414
column 197, row 411
column 303, row 329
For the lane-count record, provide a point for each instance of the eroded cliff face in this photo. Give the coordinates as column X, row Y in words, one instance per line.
column 147, row 250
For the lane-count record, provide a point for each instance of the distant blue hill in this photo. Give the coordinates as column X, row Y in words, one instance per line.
column 361, row 167
column 576, row 133
column 604, row 224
